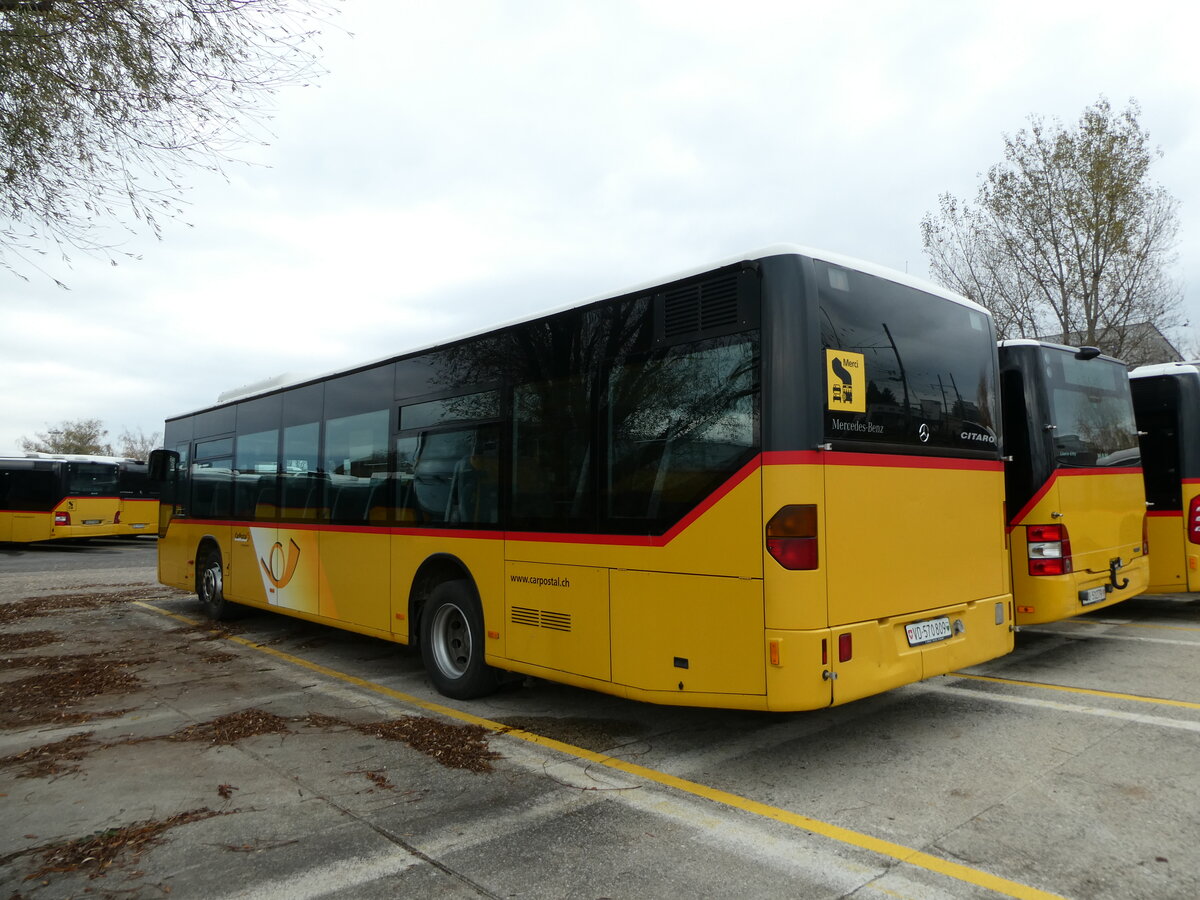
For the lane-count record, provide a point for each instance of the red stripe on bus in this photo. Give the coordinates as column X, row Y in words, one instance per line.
column 878, row 460
column 1065, row 473
column 1166, row 514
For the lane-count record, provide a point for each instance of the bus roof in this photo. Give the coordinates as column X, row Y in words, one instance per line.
column 281, row 381
column 77, row 457
column 1066, row 348
column 1187, row 367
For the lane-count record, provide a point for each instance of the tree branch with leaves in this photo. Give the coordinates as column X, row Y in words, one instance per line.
column 105, row 103
column 1068, row 237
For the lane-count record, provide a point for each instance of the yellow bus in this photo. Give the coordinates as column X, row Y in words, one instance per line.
column 1166, row 399
column 138, row 512
column 1077, row 506
column 47, row 497
column 772, row 483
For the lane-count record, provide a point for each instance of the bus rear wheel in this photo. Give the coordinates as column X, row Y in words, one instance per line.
column 210, row 588
column 452, row 643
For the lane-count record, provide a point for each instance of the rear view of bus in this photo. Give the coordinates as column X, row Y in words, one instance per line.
column 1076, row 503
column 886, row 497
column 45, row 497
column 1166, row 400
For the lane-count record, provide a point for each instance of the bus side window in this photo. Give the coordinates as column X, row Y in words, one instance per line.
column 455, row 476
column 210, row 488
column 678, row 425
column 552, row 453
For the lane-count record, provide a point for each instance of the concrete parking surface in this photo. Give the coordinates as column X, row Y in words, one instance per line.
column 145, row 754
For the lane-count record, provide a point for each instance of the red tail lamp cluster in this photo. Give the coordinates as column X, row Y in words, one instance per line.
column 1049, row 549
column 62, row 518
column 792, row 536
column 1194, row 520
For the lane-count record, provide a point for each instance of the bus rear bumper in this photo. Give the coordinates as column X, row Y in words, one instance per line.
column 866, row 658
column 1056, row 597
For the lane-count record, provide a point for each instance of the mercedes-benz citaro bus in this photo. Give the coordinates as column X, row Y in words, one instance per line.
column 1166, row 399
column 772, row 483
column 46, row 496
column 1076, row 503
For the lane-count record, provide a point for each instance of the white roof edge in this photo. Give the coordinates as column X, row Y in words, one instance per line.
column 1034, row 342
column 73, row 457
column 782, row 249
column 1172, row 368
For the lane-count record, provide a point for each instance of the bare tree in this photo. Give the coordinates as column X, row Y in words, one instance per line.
column 137, row 445
column 1068, row 237
column 104, row 103
column 70, row 436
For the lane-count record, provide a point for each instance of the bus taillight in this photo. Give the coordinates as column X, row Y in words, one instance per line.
column 62, row 518
column 792, row 536
column 1049, row 549
column 1194, row 520
column 1145, row 533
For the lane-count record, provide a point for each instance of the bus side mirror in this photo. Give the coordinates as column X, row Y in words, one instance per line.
column 163, row 464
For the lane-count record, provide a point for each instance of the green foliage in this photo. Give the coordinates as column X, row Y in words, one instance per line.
column 1068, row 237
column 103, row 103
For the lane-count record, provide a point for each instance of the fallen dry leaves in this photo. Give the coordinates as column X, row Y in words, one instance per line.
column 97, row 853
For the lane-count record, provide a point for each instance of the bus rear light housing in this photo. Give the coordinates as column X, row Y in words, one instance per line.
column 792, row 537
column 62, row 518
column 1049, row 550
column 1194, row 520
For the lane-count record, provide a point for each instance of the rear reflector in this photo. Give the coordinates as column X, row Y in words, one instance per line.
column 845, row 647
column 792, row 536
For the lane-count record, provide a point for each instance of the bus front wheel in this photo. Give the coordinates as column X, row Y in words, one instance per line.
column 210, row 588
column 452, row 643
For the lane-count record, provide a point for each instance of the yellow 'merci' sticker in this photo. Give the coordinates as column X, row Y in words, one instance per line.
column 846, row 375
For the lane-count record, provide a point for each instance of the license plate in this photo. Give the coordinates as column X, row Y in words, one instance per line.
column 928, row 631
column 1092, row 595
column 91, row 521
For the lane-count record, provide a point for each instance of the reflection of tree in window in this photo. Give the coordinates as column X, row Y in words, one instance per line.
column 690, row 420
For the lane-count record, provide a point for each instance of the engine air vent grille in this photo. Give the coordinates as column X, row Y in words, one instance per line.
column 725, row 302
column 540, row 618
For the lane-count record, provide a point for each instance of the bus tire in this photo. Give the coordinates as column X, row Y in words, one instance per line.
column 452, row 642
column 210, row 588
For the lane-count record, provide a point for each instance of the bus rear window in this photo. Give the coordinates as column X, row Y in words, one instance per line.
column 905, row 368
column 1091, row 411
column 91, row 479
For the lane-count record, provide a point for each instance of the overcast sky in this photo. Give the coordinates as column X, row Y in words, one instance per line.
column 467, row 163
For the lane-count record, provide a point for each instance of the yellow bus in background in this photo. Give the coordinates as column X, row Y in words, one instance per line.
column 774, row 483
column 1077, row 505
column 138, row 511
column 1166, row 399
column 47, row 497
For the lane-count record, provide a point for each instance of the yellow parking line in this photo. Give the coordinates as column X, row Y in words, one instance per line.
column 900, row 852
column 1161, row 701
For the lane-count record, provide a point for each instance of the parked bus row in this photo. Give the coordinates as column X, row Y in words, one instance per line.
column 774, row 483
column 45, row 497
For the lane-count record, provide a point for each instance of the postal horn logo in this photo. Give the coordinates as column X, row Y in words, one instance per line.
column 281, row 568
